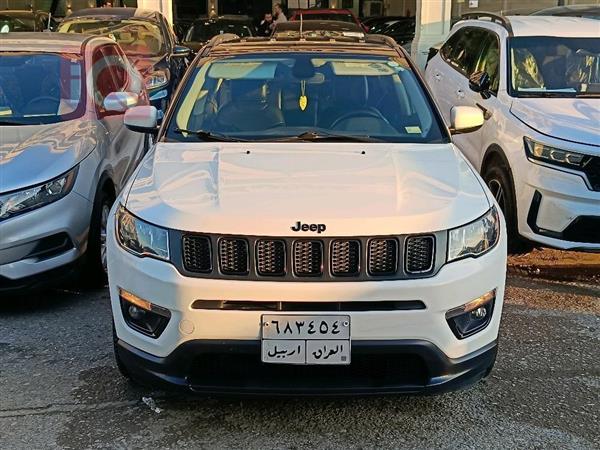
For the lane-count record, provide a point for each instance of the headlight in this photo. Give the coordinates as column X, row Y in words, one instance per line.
column 475, row 238
column 551, row 155
column 19, row 202
column 141, row 238
column 157, row 79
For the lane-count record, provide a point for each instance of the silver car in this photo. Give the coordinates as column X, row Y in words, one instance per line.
column 64, row 152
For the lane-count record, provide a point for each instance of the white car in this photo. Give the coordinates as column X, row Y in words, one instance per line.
column 305, row 225
column 537, row 80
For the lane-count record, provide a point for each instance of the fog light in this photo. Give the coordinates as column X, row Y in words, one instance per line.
column 472, row 317
column 143, row 316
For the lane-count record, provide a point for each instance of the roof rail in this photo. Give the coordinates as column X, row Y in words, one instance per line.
column 495, row 18
column 220, row 39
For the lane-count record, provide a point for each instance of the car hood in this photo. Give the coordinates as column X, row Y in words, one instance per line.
column 572, row 119
column 33, row 154
column 264, row 189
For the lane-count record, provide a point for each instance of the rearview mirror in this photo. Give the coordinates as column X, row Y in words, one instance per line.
column 143, row 119
column 181, row 51
column 481, row 82
column 465, row 119
column 119, row 101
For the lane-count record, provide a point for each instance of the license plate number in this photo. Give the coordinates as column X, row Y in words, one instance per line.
column 306, row 339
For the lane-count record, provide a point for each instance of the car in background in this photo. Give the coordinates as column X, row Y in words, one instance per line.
column 537, row 81
column 340, row 15
column 401, row 29
column 20, row 20
column 64, row 153
column 205, row 28
column 316, row 28
column 590, row 11
column 146, row 38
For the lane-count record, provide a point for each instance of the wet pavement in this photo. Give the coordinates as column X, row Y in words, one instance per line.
column 59, row 388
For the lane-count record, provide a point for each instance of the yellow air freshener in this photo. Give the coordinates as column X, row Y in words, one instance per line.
column 303, row 100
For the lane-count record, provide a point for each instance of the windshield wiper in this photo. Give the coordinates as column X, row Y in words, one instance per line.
column 208, row 135
column 9, row 122
column 315, row 136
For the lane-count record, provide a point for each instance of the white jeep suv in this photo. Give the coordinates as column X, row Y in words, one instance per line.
column 305, row 225
column 537, row 80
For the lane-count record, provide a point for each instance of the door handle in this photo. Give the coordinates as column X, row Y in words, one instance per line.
column 460, row 93
column 487, row 114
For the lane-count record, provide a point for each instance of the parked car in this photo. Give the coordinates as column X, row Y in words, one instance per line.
column 205, row 28
column 401, row 30
column 316, row 28
column 537, row 80
column 340, row 15
column 299, row 225
column 591, row 11
column 146, row 38
column 64, row 153
column 20, row 20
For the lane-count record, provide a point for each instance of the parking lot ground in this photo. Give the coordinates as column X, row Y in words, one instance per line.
column 59, row 388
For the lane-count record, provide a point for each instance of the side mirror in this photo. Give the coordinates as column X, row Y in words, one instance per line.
column 143, row 119
column 465, row 119
column 180, row 51
column 119, row 101
column 481, row 82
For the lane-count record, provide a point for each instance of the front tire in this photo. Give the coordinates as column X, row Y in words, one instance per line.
column 497, row 179
column 96, row 270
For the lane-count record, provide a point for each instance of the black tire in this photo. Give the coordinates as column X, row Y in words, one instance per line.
column 498, row 180
column 95, row 274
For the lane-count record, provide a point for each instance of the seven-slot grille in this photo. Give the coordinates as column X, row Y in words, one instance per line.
column 419, row 254
column 303, row 259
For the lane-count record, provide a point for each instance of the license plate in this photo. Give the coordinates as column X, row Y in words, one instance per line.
column 306, row 339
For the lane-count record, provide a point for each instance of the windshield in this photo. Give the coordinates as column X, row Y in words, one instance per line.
column 201, row 32
column 555, row 67
column 39, row 88
column 14, row 23
column 270, row 97
column 136, row 37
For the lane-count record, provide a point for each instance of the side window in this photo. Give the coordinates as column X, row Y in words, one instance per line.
column 489, row 61
column 463, row 48
column 118, row 66
column 110, row 73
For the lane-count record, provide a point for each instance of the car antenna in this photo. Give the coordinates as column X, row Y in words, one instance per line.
column 301, row 25
column 49, row 20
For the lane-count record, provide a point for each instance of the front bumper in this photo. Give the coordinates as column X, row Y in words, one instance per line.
column 378, row 367
column 43, row 240
column 558, row 209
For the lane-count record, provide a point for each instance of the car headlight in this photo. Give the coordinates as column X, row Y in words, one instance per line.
column 551, row 155
column 157, row 79
column 475, row 238
column 24, row 200
column 141, row 238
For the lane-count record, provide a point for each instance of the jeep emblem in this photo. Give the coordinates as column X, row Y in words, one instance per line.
column 318, row 227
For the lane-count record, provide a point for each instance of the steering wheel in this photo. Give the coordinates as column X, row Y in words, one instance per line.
column 363, row 113
column 41, row 102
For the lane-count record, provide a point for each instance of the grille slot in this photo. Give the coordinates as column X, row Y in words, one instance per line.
column 308, row 258
column 345, row 258
column 197, row 254
column 592, row 170
column 233, row 256
column 419, row 254
column 383, row 257
column 270, row 258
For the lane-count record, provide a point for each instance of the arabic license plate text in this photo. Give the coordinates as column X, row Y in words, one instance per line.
column 284, row 351
column 305, row 327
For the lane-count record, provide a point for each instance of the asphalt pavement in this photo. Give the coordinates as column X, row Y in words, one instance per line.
column 59, row 388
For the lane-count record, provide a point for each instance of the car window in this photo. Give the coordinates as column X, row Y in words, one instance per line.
column 204, row 31
column 327, row 16
column 110, row 73
column 10, row 23
column 269, row 97
column 554, row 66
column 489, row 60
column 135, row 36
column 39, row 88
column 462, row 49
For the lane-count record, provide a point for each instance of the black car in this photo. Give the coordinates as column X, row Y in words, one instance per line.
column 146, row 38
column 19, row 20
column 586, row 11
column 205, row 28
column 401, row 29
column 316, row 28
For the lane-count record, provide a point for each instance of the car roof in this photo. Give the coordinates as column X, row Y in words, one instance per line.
column 224, row 17
column 20, row 12
column 322, row 11
column 567, row 10
column 115, row 13
column 46, row 42
column 312, row 25
column 554, row 26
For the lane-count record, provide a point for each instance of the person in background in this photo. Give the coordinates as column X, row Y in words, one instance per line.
column 266, row 25
column 279, row 15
